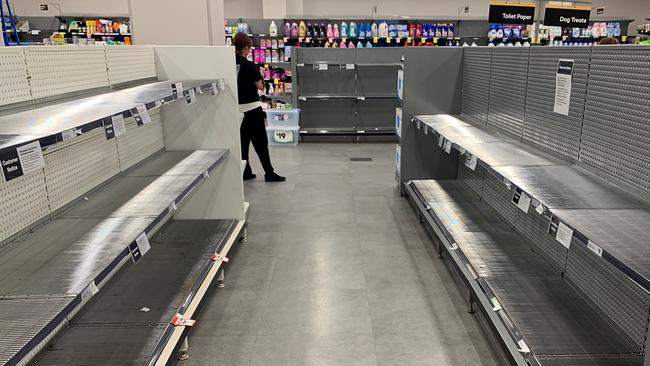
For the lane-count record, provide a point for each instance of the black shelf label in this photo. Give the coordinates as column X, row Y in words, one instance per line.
column 11, row 168
column 503, row 13
column 577, row 17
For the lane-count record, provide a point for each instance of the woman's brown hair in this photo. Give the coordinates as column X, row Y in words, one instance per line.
column 241, row 41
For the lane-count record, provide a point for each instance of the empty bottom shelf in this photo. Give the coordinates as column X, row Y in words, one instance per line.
column 123, row 323
column 558, row 324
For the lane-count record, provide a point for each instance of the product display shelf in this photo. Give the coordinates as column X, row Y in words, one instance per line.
column 87, row 244
column 56, row 123
column 539, row 317
column 129, row 321
column 597, row 214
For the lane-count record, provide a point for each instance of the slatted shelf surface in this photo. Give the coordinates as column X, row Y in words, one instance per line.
column 113, row 329
column 556, row 321
column 88, row 240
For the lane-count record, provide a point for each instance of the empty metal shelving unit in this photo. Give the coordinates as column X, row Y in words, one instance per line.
column 545, row 216
column 347, row 91
column 112, row 222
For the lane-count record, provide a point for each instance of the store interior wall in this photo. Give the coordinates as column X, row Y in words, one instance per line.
column 243, row 8
column 32, row 8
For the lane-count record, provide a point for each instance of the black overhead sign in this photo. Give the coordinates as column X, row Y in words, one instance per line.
column 504, row 13
column 575, row 17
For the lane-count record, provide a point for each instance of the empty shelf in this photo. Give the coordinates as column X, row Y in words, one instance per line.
column 88, row 242
column 552, row 317
column 127, row 319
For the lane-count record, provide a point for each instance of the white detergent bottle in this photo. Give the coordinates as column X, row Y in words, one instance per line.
column 273, row 29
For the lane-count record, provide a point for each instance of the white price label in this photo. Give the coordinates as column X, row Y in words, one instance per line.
column 524, row 202
column 564, row 235
column 349, row 66
column 143, row 243
column 417, row 124
column 323, row 67
column 471, row 161
column 283, row 136
column 144, row 114
column 31, row 157
column 177, row 90
column 221, row 85
column 540, row 209
column 89, row 291
column 214, row 89
column 426, row 130
column 441, row 141
column 119, row 128
column 595, row 248
column 68, row 134
column 447, row 146
column 191, row 96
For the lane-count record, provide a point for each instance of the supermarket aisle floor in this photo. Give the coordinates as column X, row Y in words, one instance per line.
column 337, row 271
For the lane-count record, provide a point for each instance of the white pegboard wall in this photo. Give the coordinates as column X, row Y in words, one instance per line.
column 129, row 63
column 78, row 168
column 60, row 70
column 24, row 202
column 139, row 142
column 14, row 87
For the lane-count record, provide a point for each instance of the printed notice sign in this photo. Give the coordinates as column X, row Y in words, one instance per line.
column 471, row 161
column 31, row 157
column 139, row 247
column 177, row 90
column 191, row 96
column 119, row 128
column 141, row 115
column 564, row 235
column 283, row 136
column 563, row 87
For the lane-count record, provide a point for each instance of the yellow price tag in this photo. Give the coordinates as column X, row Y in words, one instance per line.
column 624, row 38
column 423, row 40
column 388, row 40
column 435, row 40
column 375, row 40
column 408, row 39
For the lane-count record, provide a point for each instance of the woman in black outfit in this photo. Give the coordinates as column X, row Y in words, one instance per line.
column 253, row 129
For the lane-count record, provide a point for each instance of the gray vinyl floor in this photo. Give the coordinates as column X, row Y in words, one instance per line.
column 337, row 271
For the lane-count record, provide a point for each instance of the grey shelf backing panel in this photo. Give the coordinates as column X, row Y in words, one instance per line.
column 564, row 323
column 498, row 196
column 377, row 80
column 552, row 316
column 627, row 304
column 504, row 153
column 369, row 56
column 477, row 63
column 508, row 75
column 376, row 113
column 325, row 55
column 616, row 133
column 333, row 81
column 560, row 186
column 474, row 179
column 542, row 126
column 17, row 332
column 323, row 114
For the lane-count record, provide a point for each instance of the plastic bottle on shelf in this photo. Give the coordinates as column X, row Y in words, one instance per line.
column 309, row 32
column 351, row 44
column 451, row 32
column 273, row 29
column 368, row 44
column 617, row 29
column 353, row 30
column 383, row 30
column 294, row 30
column 368, row 30
column 362, row 31
column 330, row 31
column 344, row 30
column 359, row 44
column 418, row 30
column 343, row 45
column 302, row 29
column 336, row 31
column 335, row 45
column 287, row 29
column 374, row 30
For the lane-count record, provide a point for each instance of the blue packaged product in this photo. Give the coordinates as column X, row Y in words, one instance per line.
column 492, row 33
column 344, row 30
column 499, row 31
column 359, row 44
column 452, row 31
column 507, row 32
column 368, row 44
column 362, row 31
column 516, row 32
